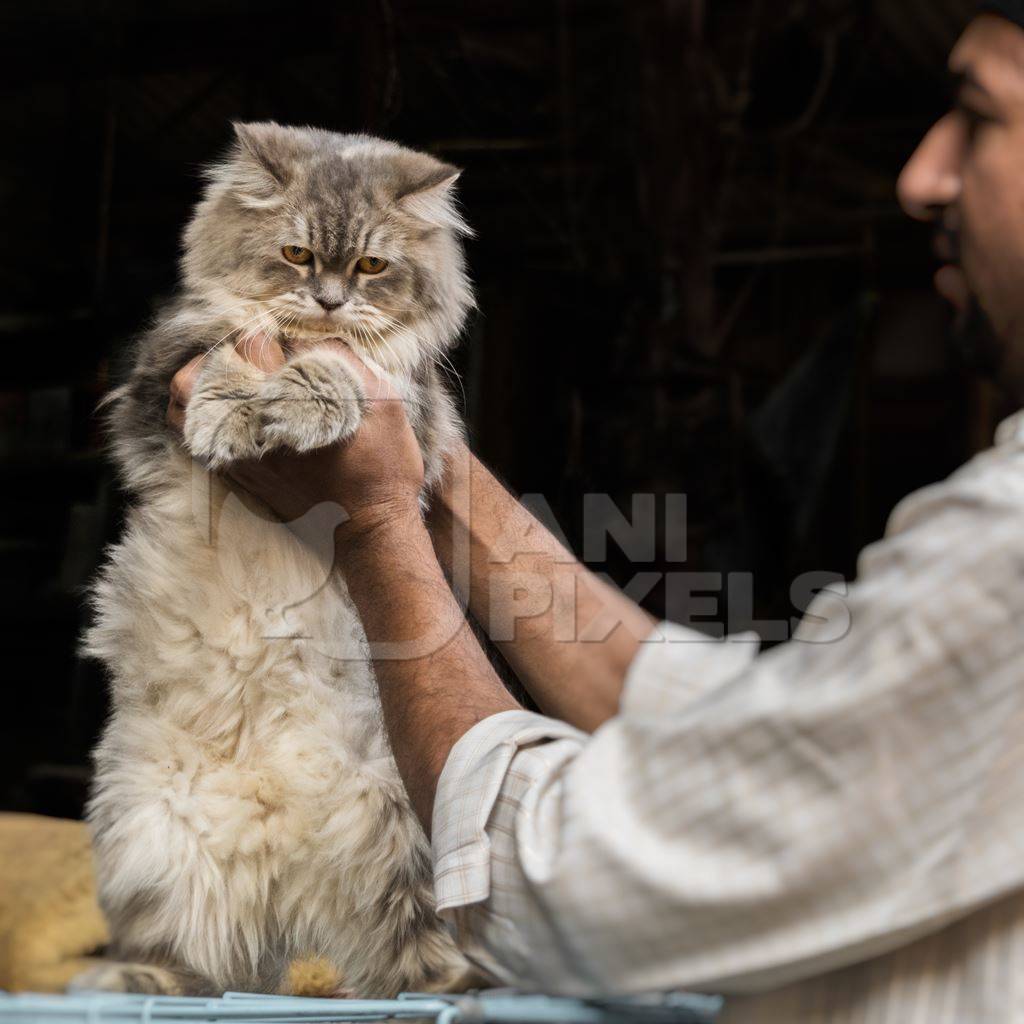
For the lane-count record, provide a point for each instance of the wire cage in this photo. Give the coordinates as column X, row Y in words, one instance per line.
column 495, row 1007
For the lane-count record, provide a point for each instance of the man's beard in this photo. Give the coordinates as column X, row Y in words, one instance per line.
column 972, row 334
column 975, row 340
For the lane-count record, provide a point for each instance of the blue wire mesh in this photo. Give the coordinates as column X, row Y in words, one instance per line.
column 496, row 1007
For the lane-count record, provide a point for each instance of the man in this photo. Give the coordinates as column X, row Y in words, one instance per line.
column 827, row 832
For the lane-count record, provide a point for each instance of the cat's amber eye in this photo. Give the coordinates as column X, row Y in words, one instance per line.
column 296, row 254
column 370, row 264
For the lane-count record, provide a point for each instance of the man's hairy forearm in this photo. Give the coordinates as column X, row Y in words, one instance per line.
column 567, row 634
column 435, row 682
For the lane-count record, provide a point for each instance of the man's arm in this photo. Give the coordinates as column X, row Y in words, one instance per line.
column 835, row 798
column 832, row 800
column 445, row 685
column 568, row 635
column 435, row 682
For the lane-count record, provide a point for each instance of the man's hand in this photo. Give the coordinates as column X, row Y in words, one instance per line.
column 376, row 476
column 430, row 696
column 258, row 349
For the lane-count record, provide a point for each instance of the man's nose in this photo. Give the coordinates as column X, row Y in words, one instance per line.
column 931, row 179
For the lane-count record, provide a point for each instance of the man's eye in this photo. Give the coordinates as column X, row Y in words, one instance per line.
column 975, row 121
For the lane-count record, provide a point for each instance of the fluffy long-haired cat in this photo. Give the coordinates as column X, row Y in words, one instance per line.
column 246, row 807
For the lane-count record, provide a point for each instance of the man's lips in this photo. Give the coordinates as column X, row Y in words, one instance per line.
column 945, row 245
column 951, row 284
column 950, row 281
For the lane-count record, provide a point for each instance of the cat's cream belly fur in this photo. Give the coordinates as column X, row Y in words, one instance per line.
column 246, row 807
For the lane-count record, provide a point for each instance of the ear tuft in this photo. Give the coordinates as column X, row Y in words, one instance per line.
column 266, row 144
column 433, row 199
column 261, row 164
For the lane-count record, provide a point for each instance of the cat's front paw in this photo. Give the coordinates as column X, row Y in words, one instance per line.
column 223, row 421
column 311, row 402
column 237, row 412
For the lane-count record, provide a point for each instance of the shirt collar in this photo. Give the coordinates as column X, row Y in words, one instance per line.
column 1011, row 429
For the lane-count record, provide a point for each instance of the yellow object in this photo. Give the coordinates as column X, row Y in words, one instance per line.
column 51, row 926
column 49, row 918
column 314, row 978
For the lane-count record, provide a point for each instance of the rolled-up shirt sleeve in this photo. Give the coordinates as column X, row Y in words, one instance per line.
column 497, row 804
column 745, row 822
column 471, row 785
column 673, row 667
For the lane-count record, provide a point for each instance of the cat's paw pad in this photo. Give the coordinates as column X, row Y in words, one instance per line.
column 147, row 979
column 311, row 402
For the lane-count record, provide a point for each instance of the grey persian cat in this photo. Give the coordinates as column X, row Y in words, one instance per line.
column 246, row 809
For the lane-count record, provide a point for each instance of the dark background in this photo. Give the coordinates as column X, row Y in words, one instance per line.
column 693, row 275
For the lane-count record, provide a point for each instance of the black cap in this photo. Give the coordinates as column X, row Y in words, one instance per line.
column 1012, row 10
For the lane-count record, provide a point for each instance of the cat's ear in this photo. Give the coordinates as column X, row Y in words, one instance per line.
column 264, row 161
column 432, row 198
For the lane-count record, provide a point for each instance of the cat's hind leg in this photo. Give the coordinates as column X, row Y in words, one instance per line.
column 458, row 979
column 141, row 978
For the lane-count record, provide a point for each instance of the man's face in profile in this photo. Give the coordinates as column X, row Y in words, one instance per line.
column 967, row 177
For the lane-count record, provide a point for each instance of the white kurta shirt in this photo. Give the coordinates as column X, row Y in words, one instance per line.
column 825, row 832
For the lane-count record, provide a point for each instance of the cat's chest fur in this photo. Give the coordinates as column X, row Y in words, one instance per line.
column 246, row 730
column 251, row 688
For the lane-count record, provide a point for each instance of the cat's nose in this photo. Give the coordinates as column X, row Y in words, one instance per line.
column 328, row 304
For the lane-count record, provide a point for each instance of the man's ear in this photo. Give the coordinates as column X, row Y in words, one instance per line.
column 432, row 199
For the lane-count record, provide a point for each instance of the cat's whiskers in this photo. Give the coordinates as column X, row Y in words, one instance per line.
column 263, row 346
column 435, row 350
column 220, row 341
column 236, row 330
column 367, row 327
column 382, row 342
column 408, row 399
column 389, row 323
column 290, row 317
column 363, row 335
column 281, row 326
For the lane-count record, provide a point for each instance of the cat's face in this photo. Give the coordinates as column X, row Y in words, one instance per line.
column 332, row 235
